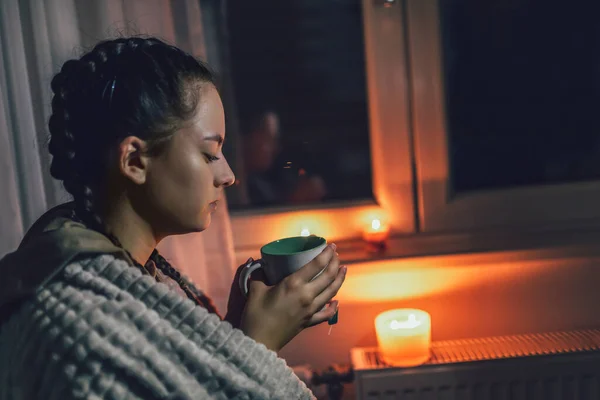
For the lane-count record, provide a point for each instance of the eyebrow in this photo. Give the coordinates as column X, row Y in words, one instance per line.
column 215, row 138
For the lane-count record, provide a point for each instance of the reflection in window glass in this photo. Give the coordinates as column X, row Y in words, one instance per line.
column 298, row 72
column 522, row 92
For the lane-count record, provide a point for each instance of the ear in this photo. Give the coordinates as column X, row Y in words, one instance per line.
column 133, row 160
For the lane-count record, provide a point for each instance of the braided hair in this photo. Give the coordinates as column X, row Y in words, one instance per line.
column 129, row 86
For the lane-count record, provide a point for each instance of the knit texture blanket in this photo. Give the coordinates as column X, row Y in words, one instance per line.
column 103, row 330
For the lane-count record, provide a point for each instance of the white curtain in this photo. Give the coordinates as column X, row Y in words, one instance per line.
column 36, row 37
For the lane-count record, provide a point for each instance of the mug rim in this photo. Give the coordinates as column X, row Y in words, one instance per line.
column 264, row 249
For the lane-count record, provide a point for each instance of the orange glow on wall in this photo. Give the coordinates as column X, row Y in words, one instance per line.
column 396, row 280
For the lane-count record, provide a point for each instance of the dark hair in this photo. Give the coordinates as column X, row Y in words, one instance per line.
column 128, row 86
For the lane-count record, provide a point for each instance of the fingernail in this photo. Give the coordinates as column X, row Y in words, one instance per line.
column 333, row 246
column 344, row 269
column 333, row 320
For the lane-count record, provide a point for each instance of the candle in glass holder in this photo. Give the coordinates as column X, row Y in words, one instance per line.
column 404, row 336
column 376, row 235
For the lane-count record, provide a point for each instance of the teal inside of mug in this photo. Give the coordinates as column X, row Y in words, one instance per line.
column 292, row 245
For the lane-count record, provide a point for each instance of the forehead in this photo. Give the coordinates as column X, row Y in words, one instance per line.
column 209, row 118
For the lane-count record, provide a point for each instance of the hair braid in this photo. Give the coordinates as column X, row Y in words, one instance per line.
column 64, row 147
column 190, row 291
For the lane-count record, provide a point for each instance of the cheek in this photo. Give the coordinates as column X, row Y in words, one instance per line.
column 184, row 183
column 195, row 179
column 186, row 167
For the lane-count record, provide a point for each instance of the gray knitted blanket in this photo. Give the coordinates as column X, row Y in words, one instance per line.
column 102, row 330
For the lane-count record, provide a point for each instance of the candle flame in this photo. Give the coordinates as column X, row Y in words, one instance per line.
column 408, row 324
column 376, row 224
column 305, row 232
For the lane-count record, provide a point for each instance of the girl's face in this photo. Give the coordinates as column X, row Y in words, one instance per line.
column 184, row 182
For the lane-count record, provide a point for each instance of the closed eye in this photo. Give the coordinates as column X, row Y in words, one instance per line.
column 210, row 157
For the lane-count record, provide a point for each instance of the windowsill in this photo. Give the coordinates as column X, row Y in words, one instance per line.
column 557, row 243
column 536, row 243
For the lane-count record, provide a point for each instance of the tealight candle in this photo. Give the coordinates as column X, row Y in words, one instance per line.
column 376, row 235
column 404, row 336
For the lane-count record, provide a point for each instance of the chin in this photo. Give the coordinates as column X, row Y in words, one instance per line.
column 190, row 226
column 203, row 223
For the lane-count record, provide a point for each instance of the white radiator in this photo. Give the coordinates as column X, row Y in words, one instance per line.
column 549, row 366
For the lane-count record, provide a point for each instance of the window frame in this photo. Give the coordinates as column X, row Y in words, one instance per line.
column 566, row 206
column 391, row 152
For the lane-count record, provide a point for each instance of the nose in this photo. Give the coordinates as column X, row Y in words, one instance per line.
column 226, row 178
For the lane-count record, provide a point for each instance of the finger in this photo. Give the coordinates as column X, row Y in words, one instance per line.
column 241, row 268
column 326, row 277
column 331, row 290
column 235, row 284
column 308, row 272
column 256, row 286
column 237, row 301
column 324, row 315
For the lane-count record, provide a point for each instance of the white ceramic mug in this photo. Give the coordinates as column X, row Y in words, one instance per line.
column 283, row 257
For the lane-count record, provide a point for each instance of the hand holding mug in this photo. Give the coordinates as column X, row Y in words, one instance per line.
column 299, row 294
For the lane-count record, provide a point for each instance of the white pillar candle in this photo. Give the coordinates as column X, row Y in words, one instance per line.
column 404, row 336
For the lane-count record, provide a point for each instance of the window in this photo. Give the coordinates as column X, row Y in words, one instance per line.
column 481, row 125
column 336, row 80
column 298, row 72
column 505, row 97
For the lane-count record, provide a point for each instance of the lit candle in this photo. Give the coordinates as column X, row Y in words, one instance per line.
column 404, row 336
column 376, row 235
